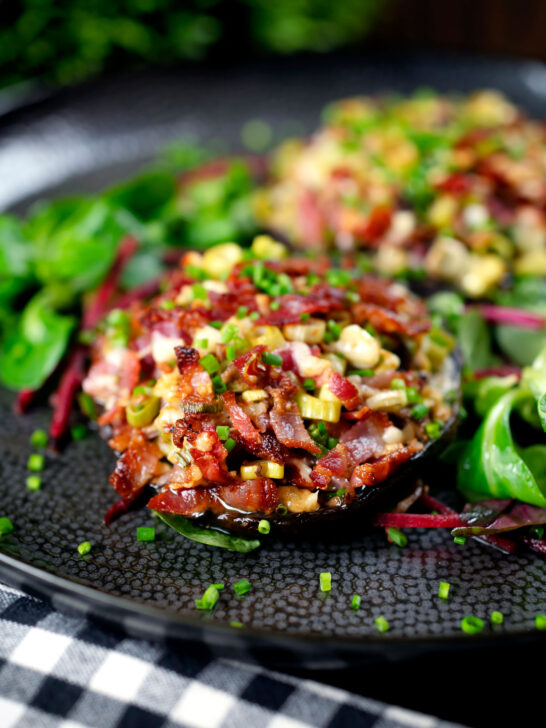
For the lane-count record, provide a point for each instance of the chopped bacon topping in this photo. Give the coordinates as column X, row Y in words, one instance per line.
column 343, row 389
column 322, row 299
column 240, row 420
column 388, row 322
column 136, row 466
column 375, row 472
column 288, row 426
column 336, row 463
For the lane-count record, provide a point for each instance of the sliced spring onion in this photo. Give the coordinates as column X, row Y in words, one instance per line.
column 254, row 395
column 262, row 468
column 325, row 579
column 313, row 408
column 142, row 413
column 145, row 533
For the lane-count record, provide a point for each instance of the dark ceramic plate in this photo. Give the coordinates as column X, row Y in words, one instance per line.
column 84, row 138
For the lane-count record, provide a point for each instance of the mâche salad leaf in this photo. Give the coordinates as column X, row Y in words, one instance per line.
column 208, row 536
column 493, row 464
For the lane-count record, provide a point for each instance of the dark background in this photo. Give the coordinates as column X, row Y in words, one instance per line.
column 66, row 41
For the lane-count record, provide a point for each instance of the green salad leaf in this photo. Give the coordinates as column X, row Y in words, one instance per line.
column 34, row 344
column 494, row 466
column 521, row 345
column 474, row 338
column 534, row 377
column 208, row 536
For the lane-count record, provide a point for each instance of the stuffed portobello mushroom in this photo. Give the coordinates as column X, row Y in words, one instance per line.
column 260, row 392
column 451, row 188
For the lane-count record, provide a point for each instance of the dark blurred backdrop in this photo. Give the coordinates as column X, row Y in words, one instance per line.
column 65, row 41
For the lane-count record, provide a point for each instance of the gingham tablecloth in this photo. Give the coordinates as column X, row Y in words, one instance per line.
column 63, row 672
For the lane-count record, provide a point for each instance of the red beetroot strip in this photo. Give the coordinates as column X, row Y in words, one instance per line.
column 72, row 377
column 512, row 316
column 418, row 520
column 504, row 544
column 23, row 400
column 501, row 371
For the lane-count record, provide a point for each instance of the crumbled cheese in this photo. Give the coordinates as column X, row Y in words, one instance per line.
column 163, row 347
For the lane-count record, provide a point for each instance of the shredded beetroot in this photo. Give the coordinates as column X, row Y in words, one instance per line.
column 70, row 383
column 502, row 371
column 146, row 290
column 23, row 400
column 536, row 544
column 433, row 504
column 512, row 316
column 72, row 377
column 120, row 507
column 418, row 520
column 99, row 304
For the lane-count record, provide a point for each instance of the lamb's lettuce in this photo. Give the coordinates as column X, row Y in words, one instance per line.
column 208, row 536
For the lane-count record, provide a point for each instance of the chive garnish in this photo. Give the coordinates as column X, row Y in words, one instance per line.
column 241, row 312
column 309, row 384
column 325, row 581
column 361, row 373
column 222, row 431
column 218, row 384
column 209, row 598
column 419, row 411
column 398, row 383
column 210, row 363
column 199, row 292
column 472, row 625
column 216, row 324
column 264, row 526
column 274, row 305
column 443, row 590
column 39, row 438
column 497, row 617
column 229, row 444
column 460, row 540
column 36, row 462
column 34, row 482
column 254, row 316
column 540, row 621
column 78, row 432
column 6, row 526
column 242, row 587
column 381, row 624
column 355, row 602
column 235, row 624
column 397, row 537
column 305, row 317
column 145, row 533
column 433, row 430
column 84, row 548
column 273, row 359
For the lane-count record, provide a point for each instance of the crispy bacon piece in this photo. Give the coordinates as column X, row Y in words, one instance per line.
column 136, row 466
column 252, row 369
column 175, row 322
column 254, row 496
column 388, row 322
column 336, row 463
column 240, row 420
column 375, row 472
column 185, row 501
column 365, row 439
column 343, row 389
column 185, row 356
column 359, row 414
column 287, row 424
column 376, row 225
column 269, row 448
column 322, row 299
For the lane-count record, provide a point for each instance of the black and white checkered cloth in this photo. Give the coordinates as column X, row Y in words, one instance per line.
column 62, row 672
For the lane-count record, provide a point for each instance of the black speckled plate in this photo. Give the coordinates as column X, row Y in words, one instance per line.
column 83, row 138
